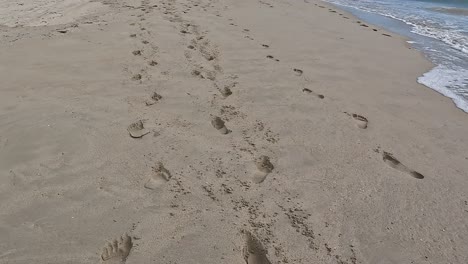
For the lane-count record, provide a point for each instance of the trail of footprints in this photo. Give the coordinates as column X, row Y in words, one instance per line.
column 117, row 251
column 358, row 22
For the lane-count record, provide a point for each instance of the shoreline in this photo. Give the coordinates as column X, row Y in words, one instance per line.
column 458, row 102
column 224, row 131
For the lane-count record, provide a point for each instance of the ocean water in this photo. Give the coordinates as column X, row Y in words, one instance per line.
column 438, row 28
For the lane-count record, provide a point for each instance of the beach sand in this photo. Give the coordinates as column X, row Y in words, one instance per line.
column 222, row 131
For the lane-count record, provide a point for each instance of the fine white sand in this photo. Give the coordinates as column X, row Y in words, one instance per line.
column 326, row 149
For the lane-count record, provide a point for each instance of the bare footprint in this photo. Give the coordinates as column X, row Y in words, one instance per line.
column 361, row 121
column 272, row 58
column 154, row 99
column 160, row 176
column 137, row 130
column 253, row 251
column 117, row 251
column 218, row 123
column 305, row 90
column 396, row 164
column 136, row 77
column 225, row 91
column 298, row 72
column 264, row 167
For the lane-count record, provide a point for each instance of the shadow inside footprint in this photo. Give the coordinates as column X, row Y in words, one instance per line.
column 253, row 251
column 396, row 164
column 361, row 121
column 264, row 167
column 160, row 176
column 117, row 251
column 298, row 72
column 136, row 77
column 305, row 90
column 137, row 130
column 225, row 91
column 154, row 99
column 218, row 123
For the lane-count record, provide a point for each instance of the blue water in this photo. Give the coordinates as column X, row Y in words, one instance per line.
column 438, row 28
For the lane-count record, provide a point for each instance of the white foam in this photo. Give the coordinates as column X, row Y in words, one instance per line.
column 454, row 39
column 441, row 77
column 420, row 25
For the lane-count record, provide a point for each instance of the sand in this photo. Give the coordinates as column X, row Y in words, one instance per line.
column 329, row 150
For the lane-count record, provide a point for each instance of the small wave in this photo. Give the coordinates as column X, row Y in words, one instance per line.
column 441, row 78
column 421, row 26
column 451, row 10
column 454, row 39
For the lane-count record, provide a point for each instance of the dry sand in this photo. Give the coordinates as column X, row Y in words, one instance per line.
column 325, row 149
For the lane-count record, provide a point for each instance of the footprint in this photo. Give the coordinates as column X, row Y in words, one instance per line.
column 133, row 35
column 225, row 91
column 305, row 90
column 136, row 77
column 153, row 63
column 374, row 29
column 117, row 251
column 298, row 72
column 253, row 250
column 218, row 123
column 155, row 98
column 264, row 167
column 396, row 164
column 137, row 130
column 265, row 46
column 136, row 52
column 271, row 57
column 387, row 35
column 360, row 120
column 160, row 176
